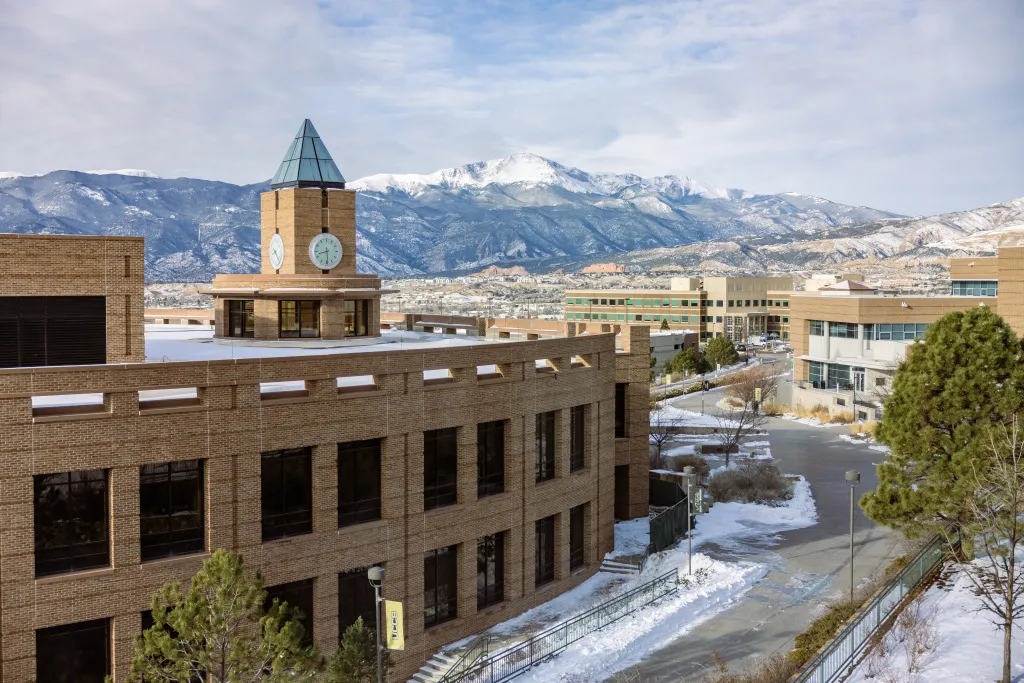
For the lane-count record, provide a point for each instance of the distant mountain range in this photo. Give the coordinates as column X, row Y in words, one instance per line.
column 522, row 210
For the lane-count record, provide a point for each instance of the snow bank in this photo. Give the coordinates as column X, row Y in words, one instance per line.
column 670, row 415
column 726, row 520
column 968, row 647
column 631, row 538
column 809, row 421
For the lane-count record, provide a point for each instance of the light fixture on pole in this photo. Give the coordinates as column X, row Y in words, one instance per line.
column 689, row 476
column 852, row 478
column 376, row 577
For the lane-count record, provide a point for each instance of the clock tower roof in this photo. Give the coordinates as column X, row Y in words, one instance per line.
column 307, row 163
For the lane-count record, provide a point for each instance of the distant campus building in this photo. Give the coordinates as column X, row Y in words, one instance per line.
column 847, row 338
column 483, row 468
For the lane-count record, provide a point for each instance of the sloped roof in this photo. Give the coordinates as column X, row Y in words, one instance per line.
column 307, row 163
column 848, row 286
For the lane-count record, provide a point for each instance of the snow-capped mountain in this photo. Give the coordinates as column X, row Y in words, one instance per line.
column 521, row 209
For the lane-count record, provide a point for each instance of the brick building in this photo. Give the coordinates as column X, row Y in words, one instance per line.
column 484, row 473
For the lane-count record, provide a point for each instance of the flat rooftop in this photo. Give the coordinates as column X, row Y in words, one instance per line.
column 172, row 343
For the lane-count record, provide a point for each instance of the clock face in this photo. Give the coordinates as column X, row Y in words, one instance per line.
column 276, row 252
column 325, row 251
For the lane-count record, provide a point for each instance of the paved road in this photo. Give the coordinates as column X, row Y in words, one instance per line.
column 807, row 565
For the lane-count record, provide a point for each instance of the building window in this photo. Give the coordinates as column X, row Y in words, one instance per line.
column 357, row 317
column 785, row 318
column 545, row 446
column 577, row 438
column 490, row 458
column 490, row 570
column 71, row 531
column 817, row 328
column 440, row 468
column 785, row 303
column 604, row 302
column 900, row 331
column 718, row 319
column 76, row 653
column 747, row 303
column 544, row 553
column 816, row 374
column 577, row 557
column 620, row 410
column 52, row 330
column 356, row 598
column 731, row 303
column 286, row 479
column 171, row 509
column 241, row 319
column 299, row 596
column 298, row 318
column 842, row 330
column 718, row 303
column 440, row 586
column 358, row 482
column 879, row 381
column 975, row 288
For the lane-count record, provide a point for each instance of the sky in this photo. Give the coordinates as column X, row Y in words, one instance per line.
column 912, row 106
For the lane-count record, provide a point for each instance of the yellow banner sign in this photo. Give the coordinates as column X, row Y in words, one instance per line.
column 393, row 622
column 757, row 394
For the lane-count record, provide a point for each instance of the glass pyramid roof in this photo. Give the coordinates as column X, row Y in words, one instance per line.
column 307, row 163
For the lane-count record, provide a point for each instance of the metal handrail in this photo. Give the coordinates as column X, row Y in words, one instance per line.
column 833, row 660
column 477, row 649
column 519, row 658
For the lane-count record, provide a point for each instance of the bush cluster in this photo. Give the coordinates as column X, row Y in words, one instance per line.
column 756, row 481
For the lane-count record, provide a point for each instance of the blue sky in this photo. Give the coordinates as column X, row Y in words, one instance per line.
column 914, row 106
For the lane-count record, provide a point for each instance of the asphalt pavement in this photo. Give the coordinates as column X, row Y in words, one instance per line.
column 807, row 566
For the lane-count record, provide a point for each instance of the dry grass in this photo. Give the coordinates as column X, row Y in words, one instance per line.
column 699, row 464
column 756, row 481
column 773, row 409
column 843, row 418
column 863, row 428
column 818, row 412
column 771, row 669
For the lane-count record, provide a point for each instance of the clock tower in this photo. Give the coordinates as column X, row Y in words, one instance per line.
column 307, row 290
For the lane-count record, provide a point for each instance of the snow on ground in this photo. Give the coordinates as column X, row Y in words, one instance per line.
column 679, row 450
column 725, row 520
column 631, row 537
column 670, row 415
column 869, row 442
column 625, row 642
column 967, row 645
column 810, row 421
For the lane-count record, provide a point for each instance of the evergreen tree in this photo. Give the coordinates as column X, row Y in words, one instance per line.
column 355, row 660
column 721, row 351
column 691, row 361
column 219, row 629
column 948, row 392
column 664, row 323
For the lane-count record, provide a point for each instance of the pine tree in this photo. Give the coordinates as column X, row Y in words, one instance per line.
column 948, row 392
column 219, row 629
column 664, row 323
column 355, row 660
column 721, row 351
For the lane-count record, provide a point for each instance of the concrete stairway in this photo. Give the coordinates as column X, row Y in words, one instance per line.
column 434, row 670
column 615, row 567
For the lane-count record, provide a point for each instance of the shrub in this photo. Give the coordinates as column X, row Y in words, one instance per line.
column 772, row 408
column 867, row 428
column 700, row 466
column 822, row 629
column 843, row 418
column 818, row 412
column 756, row 481
column 770, row 669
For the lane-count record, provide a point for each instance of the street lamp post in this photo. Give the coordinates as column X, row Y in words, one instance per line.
column 689, row 477
column 376, row 577
column 852, row 478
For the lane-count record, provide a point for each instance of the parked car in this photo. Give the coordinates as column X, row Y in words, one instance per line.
column 741, row 347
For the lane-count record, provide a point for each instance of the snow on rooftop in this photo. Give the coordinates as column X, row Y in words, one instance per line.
column 169, row 343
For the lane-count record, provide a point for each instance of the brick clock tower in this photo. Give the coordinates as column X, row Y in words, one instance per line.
column 307, row 289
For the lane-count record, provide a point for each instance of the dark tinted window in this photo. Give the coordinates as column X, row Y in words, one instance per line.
column 77, row 653
column 440, row 468
column 287, row 493
column 544, row 554
column 577, row 438
column 171, row 509
column 52, row 330
column 440, row 585
column 241, row 319
column 620, row 410
column 357, row 318
column 490, row 458
column 71, row 531
column 490, row 570
column 299, row 596
column 576, row 536
column 545, row 446
column 356, row 598
column 299, row 318
column 358, row 482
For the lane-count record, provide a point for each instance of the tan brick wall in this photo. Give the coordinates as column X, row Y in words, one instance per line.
column 1011, row 287
column 72, row 265
column 298, row 216
column 982, row 268
column 233, row 425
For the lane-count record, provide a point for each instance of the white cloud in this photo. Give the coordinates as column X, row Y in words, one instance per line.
column 908, row 105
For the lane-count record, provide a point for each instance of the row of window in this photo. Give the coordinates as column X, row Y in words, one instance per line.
column 975, row 288
column 658, row 303
column 647, row 317
column 71, row 508
column 878, row 331
column 297, row 319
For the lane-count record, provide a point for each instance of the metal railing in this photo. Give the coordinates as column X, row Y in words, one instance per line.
column 844, row 649
column 477, row 650
column 519, row 658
